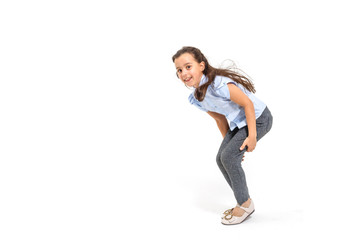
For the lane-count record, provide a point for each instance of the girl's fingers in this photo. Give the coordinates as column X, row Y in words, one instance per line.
column 243, row 145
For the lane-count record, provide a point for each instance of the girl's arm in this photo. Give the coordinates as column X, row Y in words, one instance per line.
column 237, row 96
column 221, row 122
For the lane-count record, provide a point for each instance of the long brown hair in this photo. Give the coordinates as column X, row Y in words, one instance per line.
column 210, row 72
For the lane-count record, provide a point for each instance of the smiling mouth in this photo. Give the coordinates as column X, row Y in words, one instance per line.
column 187, row 80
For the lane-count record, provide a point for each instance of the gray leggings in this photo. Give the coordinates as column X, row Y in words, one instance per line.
column 229, row 156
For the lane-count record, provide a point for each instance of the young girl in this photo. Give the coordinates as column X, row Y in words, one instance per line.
column 227, row 96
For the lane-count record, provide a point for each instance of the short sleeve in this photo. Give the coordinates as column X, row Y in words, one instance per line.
column 220, row 86
column 195, row 102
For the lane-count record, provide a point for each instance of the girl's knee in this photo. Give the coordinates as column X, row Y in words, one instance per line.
column 229, row 158
column 218, row 159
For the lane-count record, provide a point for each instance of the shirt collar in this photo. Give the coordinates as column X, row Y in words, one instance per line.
column 203, row 80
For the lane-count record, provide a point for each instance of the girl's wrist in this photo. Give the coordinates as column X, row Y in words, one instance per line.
column 252, row 136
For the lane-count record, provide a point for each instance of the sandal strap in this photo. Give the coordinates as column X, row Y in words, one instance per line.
column 246, row 209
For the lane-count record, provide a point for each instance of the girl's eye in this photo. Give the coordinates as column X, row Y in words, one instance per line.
column 179, row 71
column 188, row 67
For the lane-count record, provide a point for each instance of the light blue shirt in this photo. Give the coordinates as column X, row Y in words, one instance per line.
column 217, row 99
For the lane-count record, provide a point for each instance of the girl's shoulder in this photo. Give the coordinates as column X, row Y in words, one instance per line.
column 192, row 98
column 220, row 86
column 221, row 81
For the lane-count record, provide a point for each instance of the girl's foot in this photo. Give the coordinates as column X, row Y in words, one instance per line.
column 239, row 213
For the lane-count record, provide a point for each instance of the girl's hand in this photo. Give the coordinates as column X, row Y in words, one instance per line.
column 250, row 142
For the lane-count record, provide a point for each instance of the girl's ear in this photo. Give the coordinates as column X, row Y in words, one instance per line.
column 202, row 66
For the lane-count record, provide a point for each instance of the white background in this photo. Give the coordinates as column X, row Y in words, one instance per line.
column 98, row 140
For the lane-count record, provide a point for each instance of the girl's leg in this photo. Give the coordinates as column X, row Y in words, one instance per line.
column 226, row 140
column 230, row 156
column 230, row 159
column 264, row 123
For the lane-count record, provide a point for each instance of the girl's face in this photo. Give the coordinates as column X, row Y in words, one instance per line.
column 189, row 70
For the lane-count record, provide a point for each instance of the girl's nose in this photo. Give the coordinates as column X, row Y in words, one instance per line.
column 183, row 74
